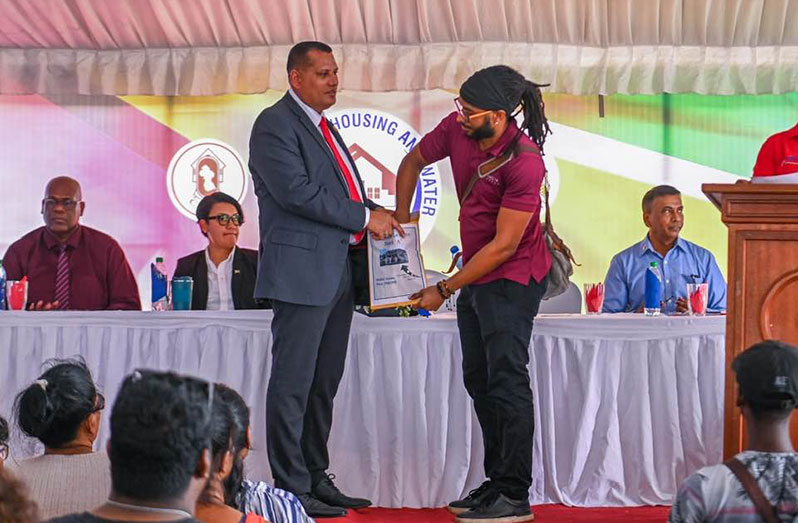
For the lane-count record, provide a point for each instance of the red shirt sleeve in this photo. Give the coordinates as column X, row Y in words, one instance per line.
column 123, row 292
column 522, row 179
column 769, row 159
column 436, row 144
column 12, row 262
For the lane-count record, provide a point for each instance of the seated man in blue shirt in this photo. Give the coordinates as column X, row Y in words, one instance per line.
column 681, row 262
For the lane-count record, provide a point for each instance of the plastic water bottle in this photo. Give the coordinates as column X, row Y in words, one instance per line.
column 2, row 287
column 160, row 297
column 653, row 290
column 455, row 250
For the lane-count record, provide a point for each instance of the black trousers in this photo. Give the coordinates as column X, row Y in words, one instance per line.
column 308, row 355
column 495, row 322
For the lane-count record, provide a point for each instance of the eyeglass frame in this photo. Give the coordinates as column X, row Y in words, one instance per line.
column 226, row 218
column 67, row 203
column 468, row 117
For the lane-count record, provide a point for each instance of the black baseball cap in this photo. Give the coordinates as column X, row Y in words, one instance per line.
column 767, row 374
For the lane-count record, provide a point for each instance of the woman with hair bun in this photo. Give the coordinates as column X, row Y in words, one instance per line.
column 62, row 410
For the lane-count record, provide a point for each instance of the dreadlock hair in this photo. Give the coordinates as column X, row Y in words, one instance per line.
column 502, row 88
column 535, row 122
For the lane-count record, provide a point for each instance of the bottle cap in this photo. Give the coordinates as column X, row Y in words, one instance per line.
column 159, row 259
column 454, row 249
column 654, row 264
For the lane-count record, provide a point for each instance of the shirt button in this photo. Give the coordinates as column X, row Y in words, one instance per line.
column 667, row 281
column 666, row 263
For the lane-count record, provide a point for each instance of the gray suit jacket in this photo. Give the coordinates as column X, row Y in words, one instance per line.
column 306, row 214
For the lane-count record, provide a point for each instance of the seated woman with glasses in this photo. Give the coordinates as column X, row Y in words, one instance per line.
column 223, row 274
column 62, row 410
column 228, row 497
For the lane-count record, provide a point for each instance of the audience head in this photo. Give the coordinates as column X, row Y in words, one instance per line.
column 3, row 441
column 62, row 206
column 15, row 507
column 313, row 74
column 62, row 407
column 663, row 213
column 219, row 216
column 230, row 439
column 767, row 379
column 159, row 446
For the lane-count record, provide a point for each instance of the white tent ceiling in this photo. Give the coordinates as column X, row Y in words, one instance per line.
column 195, row 47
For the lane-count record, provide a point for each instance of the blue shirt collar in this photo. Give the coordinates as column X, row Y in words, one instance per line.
column 645, row 245
column 311, row 112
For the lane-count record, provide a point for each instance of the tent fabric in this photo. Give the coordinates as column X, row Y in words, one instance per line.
column 209, row 47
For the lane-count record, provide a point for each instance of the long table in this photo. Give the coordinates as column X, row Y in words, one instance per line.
column 626, row 405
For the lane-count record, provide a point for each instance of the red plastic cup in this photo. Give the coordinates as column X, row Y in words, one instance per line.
column 697, row 296
column 17, row 295
column 594, row 297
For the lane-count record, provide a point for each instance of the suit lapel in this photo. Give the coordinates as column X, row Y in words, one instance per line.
column 238, row 277
column 316, row 134
column 200, row 298
column 356, row 173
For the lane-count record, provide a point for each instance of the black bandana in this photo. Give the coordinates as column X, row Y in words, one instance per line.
column 495, row 88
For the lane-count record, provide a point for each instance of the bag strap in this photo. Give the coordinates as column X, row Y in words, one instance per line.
column 767, row 511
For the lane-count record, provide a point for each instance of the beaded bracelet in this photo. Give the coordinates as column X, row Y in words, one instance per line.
column 444, row 289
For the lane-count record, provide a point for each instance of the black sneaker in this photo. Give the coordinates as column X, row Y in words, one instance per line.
column 326, row 491
column 498, row 508
column 472, row 500
column 319, row 509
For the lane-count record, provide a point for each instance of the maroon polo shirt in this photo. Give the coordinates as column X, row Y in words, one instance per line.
column 100, row 277
column 779, row 154
column 515, row 186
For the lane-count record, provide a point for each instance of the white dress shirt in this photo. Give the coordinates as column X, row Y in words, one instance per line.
column 316, row 119
column 220, row 283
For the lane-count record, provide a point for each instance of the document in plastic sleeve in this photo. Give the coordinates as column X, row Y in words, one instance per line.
column 396, row 269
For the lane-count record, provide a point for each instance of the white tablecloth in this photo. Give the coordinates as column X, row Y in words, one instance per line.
column 626, row 406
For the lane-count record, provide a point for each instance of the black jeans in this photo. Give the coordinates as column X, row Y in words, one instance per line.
column 495, row 321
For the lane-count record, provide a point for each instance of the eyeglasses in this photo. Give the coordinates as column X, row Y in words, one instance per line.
column 463, row 112
column 3, row 452
column 66, row 203
column 224, row 219
column 100, row 403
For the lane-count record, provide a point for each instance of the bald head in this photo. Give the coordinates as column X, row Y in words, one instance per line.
column 63, row 185
column 62, row 206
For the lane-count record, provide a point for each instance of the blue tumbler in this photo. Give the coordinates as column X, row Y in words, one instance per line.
column 182, row 287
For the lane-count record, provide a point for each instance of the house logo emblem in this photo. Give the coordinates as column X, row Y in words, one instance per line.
column 377, row 142
column 204, row 167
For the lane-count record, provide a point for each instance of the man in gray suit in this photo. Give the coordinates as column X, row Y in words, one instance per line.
column 312, row 209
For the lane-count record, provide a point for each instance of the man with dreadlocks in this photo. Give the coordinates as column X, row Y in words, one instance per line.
column 498, row 173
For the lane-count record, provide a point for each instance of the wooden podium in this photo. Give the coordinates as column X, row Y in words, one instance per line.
column 762, row 279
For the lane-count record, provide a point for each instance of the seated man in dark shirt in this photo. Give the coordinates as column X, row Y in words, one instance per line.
column 223, row 273
column 159, row 450
column 68, row 265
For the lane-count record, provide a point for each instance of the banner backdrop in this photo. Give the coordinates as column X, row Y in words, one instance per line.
column 144, row 163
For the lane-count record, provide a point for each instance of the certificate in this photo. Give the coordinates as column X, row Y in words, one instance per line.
column 395, row 268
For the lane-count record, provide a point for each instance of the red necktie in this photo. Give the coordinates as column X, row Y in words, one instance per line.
column 62, row 279
column 350, row 180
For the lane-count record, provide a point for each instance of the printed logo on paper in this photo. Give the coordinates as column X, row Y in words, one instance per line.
column 377, row 142
column 204, row 167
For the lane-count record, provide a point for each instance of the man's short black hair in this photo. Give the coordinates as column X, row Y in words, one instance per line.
column 298, row 55
column 206, row 204
column 656, row 192
column 160, row 427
